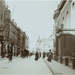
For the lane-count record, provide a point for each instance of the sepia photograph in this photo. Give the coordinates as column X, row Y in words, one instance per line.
column 37, row 37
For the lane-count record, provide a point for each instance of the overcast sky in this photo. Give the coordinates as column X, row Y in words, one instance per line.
column 34, row 16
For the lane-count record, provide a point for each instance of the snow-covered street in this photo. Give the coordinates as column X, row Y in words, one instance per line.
column 26, row 66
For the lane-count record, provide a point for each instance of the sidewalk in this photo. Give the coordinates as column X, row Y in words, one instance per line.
column 3, row 58
column 58, row 68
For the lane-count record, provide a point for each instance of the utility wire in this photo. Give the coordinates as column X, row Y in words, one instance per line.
column 13, row 10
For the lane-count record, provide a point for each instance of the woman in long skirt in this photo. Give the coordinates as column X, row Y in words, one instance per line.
column 49, row 56
column 36, row 56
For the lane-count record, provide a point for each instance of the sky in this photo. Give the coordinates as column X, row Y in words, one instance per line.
column 35, row 17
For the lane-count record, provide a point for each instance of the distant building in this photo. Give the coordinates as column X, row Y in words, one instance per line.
column 47, row 44
column 38, row 45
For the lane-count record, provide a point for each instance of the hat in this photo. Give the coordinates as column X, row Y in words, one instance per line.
column 50, row 50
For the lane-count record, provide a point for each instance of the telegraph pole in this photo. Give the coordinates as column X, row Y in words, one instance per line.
column 13, row 10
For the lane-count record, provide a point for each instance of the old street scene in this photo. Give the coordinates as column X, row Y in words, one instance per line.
column 37, row 37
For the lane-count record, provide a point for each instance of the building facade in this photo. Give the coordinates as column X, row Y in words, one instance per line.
column 4, row 19
column 46, row 44
column 38, row 45
column 23, row 40
column 27, row 42
column 19, row 40
column 11, row 36
column 65, row 28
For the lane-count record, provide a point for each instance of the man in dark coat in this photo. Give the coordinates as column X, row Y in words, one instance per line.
column 36, row 55
column 10, row 55
column 43, row 54
column 26, row 53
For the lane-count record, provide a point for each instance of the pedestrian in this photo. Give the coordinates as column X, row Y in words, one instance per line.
column 36, row 55
column 17, row 54
column 10, row 55
column 44, row 54
column 26, row 53
column 49, row 55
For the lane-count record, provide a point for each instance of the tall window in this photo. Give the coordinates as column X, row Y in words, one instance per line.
column 67, row 19
column 1, row 17
column 62, row 25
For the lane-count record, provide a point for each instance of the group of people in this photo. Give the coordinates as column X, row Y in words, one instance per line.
column 49, row 55
column 24, row 53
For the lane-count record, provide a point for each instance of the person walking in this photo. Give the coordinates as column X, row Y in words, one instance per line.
column 49, row 55
column 44, row 54
column 10, row 55
column 36, row 55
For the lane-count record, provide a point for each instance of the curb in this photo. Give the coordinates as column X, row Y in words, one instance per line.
column 52, row 70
